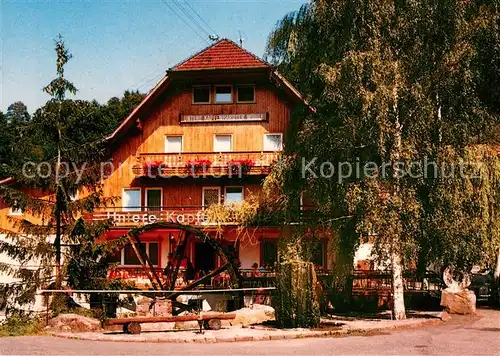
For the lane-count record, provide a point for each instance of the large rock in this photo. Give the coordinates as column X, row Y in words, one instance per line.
column 256, row 315
column 74, row 323
column 149, row 307
column 459, row 302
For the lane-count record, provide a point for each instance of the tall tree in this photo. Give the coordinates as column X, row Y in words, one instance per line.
column 393, row 82
column 47, row 188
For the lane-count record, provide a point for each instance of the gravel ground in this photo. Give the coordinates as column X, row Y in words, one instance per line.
column 466, row 335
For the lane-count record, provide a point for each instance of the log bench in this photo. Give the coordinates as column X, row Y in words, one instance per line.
column 210, row 321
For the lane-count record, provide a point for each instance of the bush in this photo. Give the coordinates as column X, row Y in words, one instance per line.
column 18, row 324
column 297, row 304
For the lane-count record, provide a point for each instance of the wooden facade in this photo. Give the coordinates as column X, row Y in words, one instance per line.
column 218, row 133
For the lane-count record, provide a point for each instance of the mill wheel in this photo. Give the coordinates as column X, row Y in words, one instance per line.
column 132, row 328
column 228, row 270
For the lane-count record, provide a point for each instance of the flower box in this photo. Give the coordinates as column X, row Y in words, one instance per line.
column 240, row 165
column 153, row 168
column 198, row 165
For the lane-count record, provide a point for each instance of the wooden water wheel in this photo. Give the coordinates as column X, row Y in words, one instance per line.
column 186, row 233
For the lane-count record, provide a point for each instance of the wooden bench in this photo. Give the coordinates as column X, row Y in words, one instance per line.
column 210, row 321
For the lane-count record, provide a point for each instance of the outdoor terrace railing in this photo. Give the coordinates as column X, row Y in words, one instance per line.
column 195, row 215
column 142, row 215
column 201, row 164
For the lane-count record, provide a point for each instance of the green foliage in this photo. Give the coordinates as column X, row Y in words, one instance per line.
column 296, row 301
column 462, row 225
column 391, row 82
column 88, row 259
column 19, row 324
column 60, row 135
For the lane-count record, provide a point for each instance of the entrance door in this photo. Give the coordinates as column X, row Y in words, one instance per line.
column 204, row 257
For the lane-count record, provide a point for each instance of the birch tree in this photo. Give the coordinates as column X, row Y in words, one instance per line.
column 393, row 83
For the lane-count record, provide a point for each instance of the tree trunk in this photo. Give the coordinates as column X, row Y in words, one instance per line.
column 57, row 241
column 398, row 301
column 496, row 274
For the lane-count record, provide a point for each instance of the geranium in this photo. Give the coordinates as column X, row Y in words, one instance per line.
column 198, row 164
column 240, row 165
column 154, row 167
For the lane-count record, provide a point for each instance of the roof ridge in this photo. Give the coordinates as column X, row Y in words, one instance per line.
column 249, row 60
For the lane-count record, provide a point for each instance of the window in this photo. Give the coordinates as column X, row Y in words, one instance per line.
column 131, row 199
column 201, row 95
column 153, row 199
column 246, row 94
column 173, row 144
column 211, row 195
column 129, row 258
column 223, row 94
column 233, row 195
column 273, row 142
column 222, row 143
column 269, row 251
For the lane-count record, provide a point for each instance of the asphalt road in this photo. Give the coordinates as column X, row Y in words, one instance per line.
column 460, row 336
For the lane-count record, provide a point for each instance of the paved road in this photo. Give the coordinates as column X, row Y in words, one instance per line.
column 460, row 336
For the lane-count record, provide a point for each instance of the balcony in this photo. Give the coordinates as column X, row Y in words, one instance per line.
column 186, row 215
column 200, row 164
column 137, row 216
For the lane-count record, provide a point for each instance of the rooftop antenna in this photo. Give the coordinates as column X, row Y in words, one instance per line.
column 241, row 39
column 213, row 38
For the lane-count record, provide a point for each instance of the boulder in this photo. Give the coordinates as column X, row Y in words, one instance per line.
column 74, row 323
column 256, row 315
column 458, row 302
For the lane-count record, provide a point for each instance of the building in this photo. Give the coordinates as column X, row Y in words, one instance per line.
column 208, row 133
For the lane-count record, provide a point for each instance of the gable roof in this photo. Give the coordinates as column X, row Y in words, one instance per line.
column 224, row 54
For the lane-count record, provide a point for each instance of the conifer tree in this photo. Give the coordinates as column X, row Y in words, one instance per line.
column 54, row 193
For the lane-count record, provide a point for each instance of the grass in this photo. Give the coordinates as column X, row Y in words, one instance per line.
column 20, row 325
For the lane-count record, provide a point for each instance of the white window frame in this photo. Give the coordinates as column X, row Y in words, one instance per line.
column 271, row 134
column 224, row 134
column 245, row 85
column 146, row 203
column 203, row 195
column 122, row 254
column 234, row 186
column 209, row 95
column 220, row 86
column 182, row 143
column 124, row 209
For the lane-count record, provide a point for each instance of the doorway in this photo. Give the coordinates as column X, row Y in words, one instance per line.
column 204, row 257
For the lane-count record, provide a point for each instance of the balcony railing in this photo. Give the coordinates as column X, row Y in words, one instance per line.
column 141, row 215
column 195, row 215
column 201, row 164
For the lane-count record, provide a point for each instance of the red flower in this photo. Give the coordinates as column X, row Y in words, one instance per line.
column 153, row 167
column 198, row 164
column 240, row 165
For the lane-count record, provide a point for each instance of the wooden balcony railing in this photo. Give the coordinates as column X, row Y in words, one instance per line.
column 195, row 215
column 141, row 215
column 199, row 164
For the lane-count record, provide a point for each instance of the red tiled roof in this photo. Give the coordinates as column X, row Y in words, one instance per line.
column 221, row 55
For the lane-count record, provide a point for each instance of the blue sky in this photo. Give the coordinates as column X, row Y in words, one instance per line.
column 117, row 44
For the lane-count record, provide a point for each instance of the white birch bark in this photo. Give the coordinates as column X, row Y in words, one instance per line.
column 398, row 302
column 398, row 307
